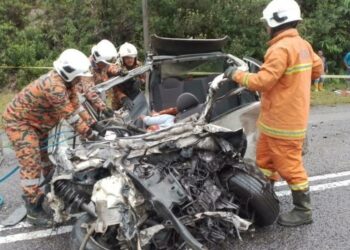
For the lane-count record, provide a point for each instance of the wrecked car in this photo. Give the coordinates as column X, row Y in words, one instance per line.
column 192, row 185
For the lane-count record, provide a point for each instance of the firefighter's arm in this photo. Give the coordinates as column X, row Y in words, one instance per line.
column 61, row 102
column 84, row 114
column 317, row 66
column 116, row 70
column 91, row 95
column 274, row 67
column 118, row 95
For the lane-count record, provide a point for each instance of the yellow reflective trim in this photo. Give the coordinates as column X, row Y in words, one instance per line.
column 282, row 132
column 298, row 68
column 299, row 186
column 245, row 80
column 267, row 172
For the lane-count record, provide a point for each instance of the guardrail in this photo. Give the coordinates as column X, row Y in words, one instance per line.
column 336, row 76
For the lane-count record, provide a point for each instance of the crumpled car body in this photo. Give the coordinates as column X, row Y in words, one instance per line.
column 189, row 186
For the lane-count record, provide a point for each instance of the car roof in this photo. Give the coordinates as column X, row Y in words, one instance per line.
column 184, row 46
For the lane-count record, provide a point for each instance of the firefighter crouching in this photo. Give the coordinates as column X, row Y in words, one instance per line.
column 33, row 112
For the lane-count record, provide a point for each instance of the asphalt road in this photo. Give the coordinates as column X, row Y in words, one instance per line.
column 328, row 164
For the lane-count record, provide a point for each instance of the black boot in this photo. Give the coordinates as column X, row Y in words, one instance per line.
column 301, row 213
column 35, row 213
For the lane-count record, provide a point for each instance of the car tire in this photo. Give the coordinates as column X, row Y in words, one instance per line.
column 258, row 198
column 78, row 234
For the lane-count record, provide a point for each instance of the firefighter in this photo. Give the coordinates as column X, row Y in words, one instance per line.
column 125, row 93
column 103, row 61
column 284, row 82
column 33, row 112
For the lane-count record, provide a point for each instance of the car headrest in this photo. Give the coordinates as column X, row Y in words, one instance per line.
column 186, row 101
column 171, row 83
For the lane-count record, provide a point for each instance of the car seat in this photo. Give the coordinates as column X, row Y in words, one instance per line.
column 167, row 92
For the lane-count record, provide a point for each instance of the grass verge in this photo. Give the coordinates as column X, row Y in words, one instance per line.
column 5, row 97
column 328, row 98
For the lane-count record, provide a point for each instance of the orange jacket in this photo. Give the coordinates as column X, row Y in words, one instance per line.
column 284, row 82
column 43, row 103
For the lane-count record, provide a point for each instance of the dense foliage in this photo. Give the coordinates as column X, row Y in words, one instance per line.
column 33, row 33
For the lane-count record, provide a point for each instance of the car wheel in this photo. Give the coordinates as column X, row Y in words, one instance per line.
column 257, row 199
column 94, row 243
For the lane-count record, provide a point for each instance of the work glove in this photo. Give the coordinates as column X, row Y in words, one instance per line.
column 123, row 72
column 230, row 71
column 98, row 128
column 92, row 135
column 215, row 84
column 108, row 112
column 127, row 103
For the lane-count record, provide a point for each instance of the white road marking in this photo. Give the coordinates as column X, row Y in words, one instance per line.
column 25, row 224
column 318, row 177
column 34, row 235
column 319, row 187
column 19, row 225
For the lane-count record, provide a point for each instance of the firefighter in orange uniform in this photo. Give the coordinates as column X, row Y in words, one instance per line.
column 125, row 93
column 103, row 61
column 33, row 112
column 284, row 82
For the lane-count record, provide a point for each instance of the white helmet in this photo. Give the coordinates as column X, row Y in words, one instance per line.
column 127, row 49
column 72, row 63
column 279, row 12
column 104, row 52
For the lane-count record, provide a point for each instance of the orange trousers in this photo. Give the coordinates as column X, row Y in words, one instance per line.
column 282, row 158
column 31, row 151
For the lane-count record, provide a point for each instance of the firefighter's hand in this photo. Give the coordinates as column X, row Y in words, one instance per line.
column 98, row 128
column 123, row 72
column 127, row 103
column 108, row 112
column 229, row 72
column 92, row 135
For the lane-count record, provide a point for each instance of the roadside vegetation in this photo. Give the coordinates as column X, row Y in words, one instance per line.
column 33, row 33
column 329, row 96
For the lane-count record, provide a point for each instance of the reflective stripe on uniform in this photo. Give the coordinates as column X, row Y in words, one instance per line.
column 298, row 68
column 246, row 79
column 267, row 172
column 73, row 119
column 282, row 133
column 299, row 186
column 30, row 182
column 80, row 109
column 36, row 181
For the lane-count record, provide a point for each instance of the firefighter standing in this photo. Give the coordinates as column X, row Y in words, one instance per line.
column 284, row 82
column 33, row 112
column 124, row 93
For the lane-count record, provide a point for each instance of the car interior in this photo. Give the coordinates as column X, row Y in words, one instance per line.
column 170, row 89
